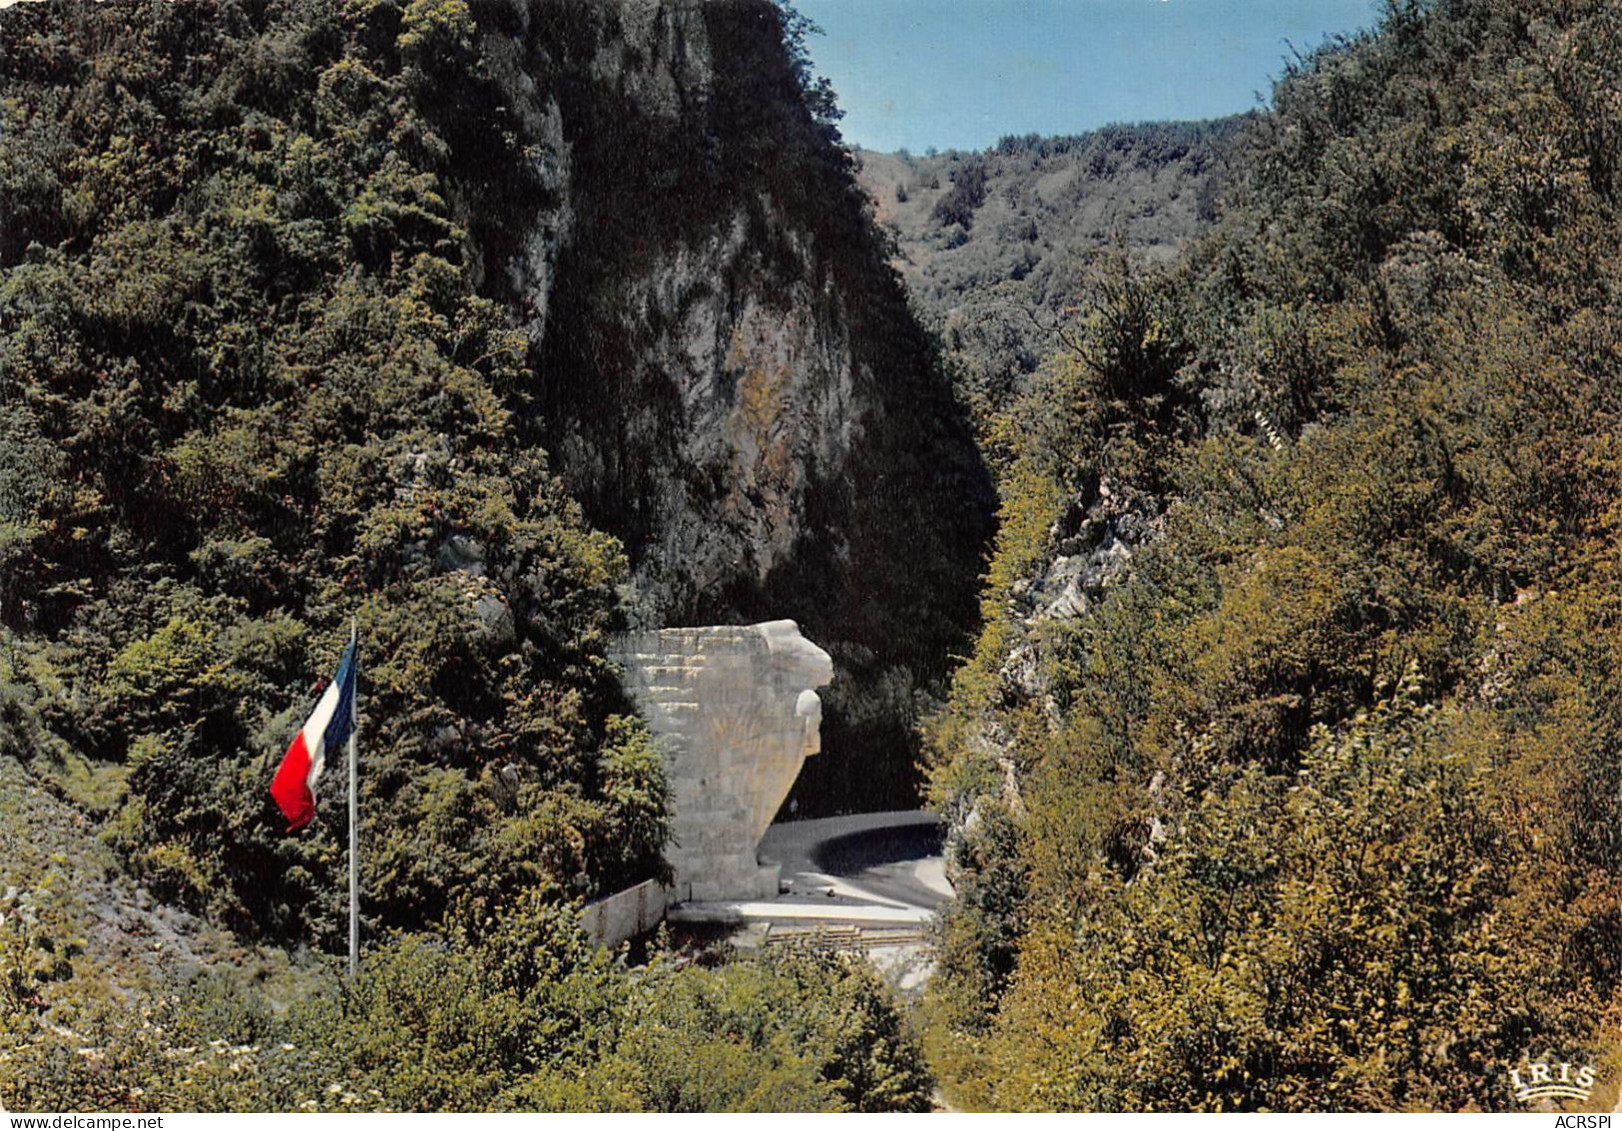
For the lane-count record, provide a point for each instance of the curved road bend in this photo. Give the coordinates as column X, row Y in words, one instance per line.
column 872, row 869
column 885, row 859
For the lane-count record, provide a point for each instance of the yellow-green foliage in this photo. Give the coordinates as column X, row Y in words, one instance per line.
column 1376, row 934
column 1312, row 812
column 508, row 1011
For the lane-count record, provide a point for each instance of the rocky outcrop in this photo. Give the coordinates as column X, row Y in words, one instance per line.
column 1092, row 547
column 736, row 713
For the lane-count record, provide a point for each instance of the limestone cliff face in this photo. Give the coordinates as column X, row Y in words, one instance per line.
column 725, row 371
column 761, row 393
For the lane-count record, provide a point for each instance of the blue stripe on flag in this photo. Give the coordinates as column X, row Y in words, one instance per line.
column 342, row 723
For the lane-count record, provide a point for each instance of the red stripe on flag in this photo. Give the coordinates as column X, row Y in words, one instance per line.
column 291, row 785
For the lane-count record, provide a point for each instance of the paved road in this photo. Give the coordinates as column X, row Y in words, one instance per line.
column 871, row 869
column 886, row 859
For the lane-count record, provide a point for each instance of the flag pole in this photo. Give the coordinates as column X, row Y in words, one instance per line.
column 354, row 826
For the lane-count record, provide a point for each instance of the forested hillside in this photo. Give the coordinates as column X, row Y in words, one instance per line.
column 1284, row 775
column 994, row 246
column 251, row 393
column 313, row 314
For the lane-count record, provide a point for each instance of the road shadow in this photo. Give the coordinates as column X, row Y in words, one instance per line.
column 853, row 853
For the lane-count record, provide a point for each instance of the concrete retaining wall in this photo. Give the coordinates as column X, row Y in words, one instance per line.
column 626, row 914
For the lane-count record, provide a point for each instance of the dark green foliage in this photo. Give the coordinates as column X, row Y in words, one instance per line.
column 980, row 944
column 968, row 192
column 815, row 90
column 250, row 394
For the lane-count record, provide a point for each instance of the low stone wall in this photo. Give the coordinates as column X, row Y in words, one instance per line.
column 737, row 713
column 626, row 914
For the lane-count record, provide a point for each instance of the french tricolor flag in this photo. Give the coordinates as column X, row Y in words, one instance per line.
column 331, row 724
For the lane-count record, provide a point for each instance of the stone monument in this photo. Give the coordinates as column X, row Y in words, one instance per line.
column 736, row 712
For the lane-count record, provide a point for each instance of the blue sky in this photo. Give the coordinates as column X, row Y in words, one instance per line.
column 962, row 73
